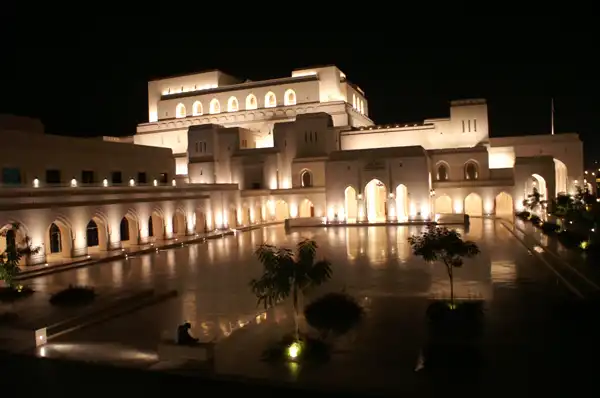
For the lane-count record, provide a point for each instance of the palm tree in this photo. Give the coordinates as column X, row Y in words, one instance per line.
column 286, row 274
column 445, row 245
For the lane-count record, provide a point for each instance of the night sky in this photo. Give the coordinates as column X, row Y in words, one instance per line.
column 97, row 88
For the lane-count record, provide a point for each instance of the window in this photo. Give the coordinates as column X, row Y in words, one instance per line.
column 142, row 177
column 251, row 102
column 354, row 101
column 124, row 229
column 92, row 236
column 270, row 100
column 475, row 125
column 53, row 177
column 116, row 177
column 256, row 185
column 306, row 179
column 11, row 175
column 469, row 122
column 471, row 171
column 442, row 172
column 289, row 97
column 244, row 143
column 200, row 146
column 180, row 111
column 463, row 125
column 232, row 105
column 87, row 177
column 164, row 178
column 215, row 106
column 197, row 108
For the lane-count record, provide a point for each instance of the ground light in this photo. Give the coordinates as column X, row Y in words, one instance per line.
column 294, row 350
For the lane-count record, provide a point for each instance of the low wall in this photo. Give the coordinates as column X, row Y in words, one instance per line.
column 304, row 222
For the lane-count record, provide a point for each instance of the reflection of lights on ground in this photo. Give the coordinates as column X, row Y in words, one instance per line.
column 538, row 249
column 96, row 352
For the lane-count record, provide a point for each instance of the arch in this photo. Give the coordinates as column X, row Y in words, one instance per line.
column 402, row 202
column 157, row 223
column 443, row 204
column 306, row 209
column 179, row 225
column 538, row 182
column 289, row 97
column 442, row 171
column 201, row 221
column 233, row 104
column 13, row 234
column 180, row 111
column 270, row 100
column 306, row 178
column 504, row 205
column 214, row 107
column 560, row 170
column 471, row 170
column 58, row 240
column 473, row 205
column 129, row 229
column 251, row 102
column 197, row 109
column 350, row 204
column 282, row 210
column 376, row 200
column 91, row 234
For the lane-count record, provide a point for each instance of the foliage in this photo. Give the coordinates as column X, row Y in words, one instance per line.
column 446, row 246
column 334, row 313
column 534, row 201
column 286, row 273
column 73, row 295
column 11, row 257
column 13, row 293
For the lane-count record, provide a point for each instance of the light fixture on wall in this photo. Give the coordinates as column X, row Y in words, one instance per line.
column 36, row 183
column 155, row 183
column 105, row 182
column 73, row 182
column 131, row 182
column 174, row 183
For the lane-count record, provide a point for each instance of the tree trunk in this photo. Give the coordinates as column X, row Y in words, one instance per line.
column 450, row 275
column 295, row 302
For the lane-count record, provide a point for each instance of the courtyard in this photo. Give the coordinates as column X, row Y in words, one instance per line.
column 523, row 342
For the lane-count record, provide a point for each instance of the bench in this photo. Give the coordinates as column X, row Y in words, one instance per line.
column 169, row 350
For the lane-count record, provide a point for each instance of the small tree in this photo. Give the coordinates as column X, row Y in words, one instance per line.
column 445, row 245
column 534, row 201
column 12, row 255
column 286, row 274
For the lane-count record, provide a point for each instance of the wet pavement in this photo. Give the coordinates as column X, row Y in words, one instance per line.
column 527, row 307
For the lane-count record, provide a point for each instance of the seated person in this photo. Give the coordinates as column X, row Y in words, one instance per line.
column 183, row 335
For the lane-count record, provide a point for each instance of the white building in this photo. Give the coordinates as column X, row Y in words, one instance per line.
column 219, row 152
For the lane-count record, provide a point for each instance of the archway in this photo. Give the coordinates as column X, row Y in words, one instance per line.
column 129, row 231
column 504, row 206
column 58, row 241
column 402, row 202
column 376, row 198
column 15, row 237
column 282, row 210
column 306, row 179
column 246, row 216
column 560, row 170
column 306, row 209
column 156, row 226
column 96, row 235
column 179, row 227
column 443, row 204
column 201, row 226
column 473, row 205
column 350, row 204
column 538, row 182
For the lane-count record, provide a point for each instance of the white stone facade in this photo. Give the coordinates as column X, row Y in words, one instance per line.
column 233, row 153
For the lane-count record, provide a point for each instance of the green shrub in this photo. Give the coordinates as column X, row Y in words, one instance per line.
column 333, row 314
column 14, row 293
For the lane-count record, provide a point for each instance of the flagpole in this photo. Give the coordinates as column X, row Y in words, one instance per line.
column 552, row 115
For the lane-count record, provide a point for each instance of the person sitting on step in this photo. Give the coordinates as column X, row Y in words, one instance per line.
column 183, row 335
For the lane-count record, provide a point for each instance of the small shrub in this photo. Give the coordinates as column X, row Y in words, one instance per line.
column 333, row 314
column 524, row 215
column 14, row 293
column 73, row 296
column 535, row 220
column 570, row 239
column 465, row 319
column 550, row 228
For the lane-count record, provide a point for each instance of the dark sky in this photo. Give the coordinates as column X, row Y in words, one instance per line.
column 98, row 88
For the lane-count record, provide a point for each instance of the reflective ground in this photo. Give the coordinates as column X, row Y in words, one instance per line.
column 372, row 263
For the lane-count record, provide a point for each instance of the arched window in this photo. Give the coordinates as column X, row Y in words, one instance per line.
column 307, row 179
column 11, row 238
column 251, row 102
column 270, row 100
column 150, row 227
column 232, row 105
column 55, row 239
column 124, row 229
column 442, row 172
column 91, row 234
column 180, row 110
column 289, row 98
column 215, row 106
column 471, row 172
column 197, row 108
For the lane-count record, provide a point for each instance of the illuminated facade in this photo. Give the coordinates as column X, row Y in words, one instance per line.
column 305, row 145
